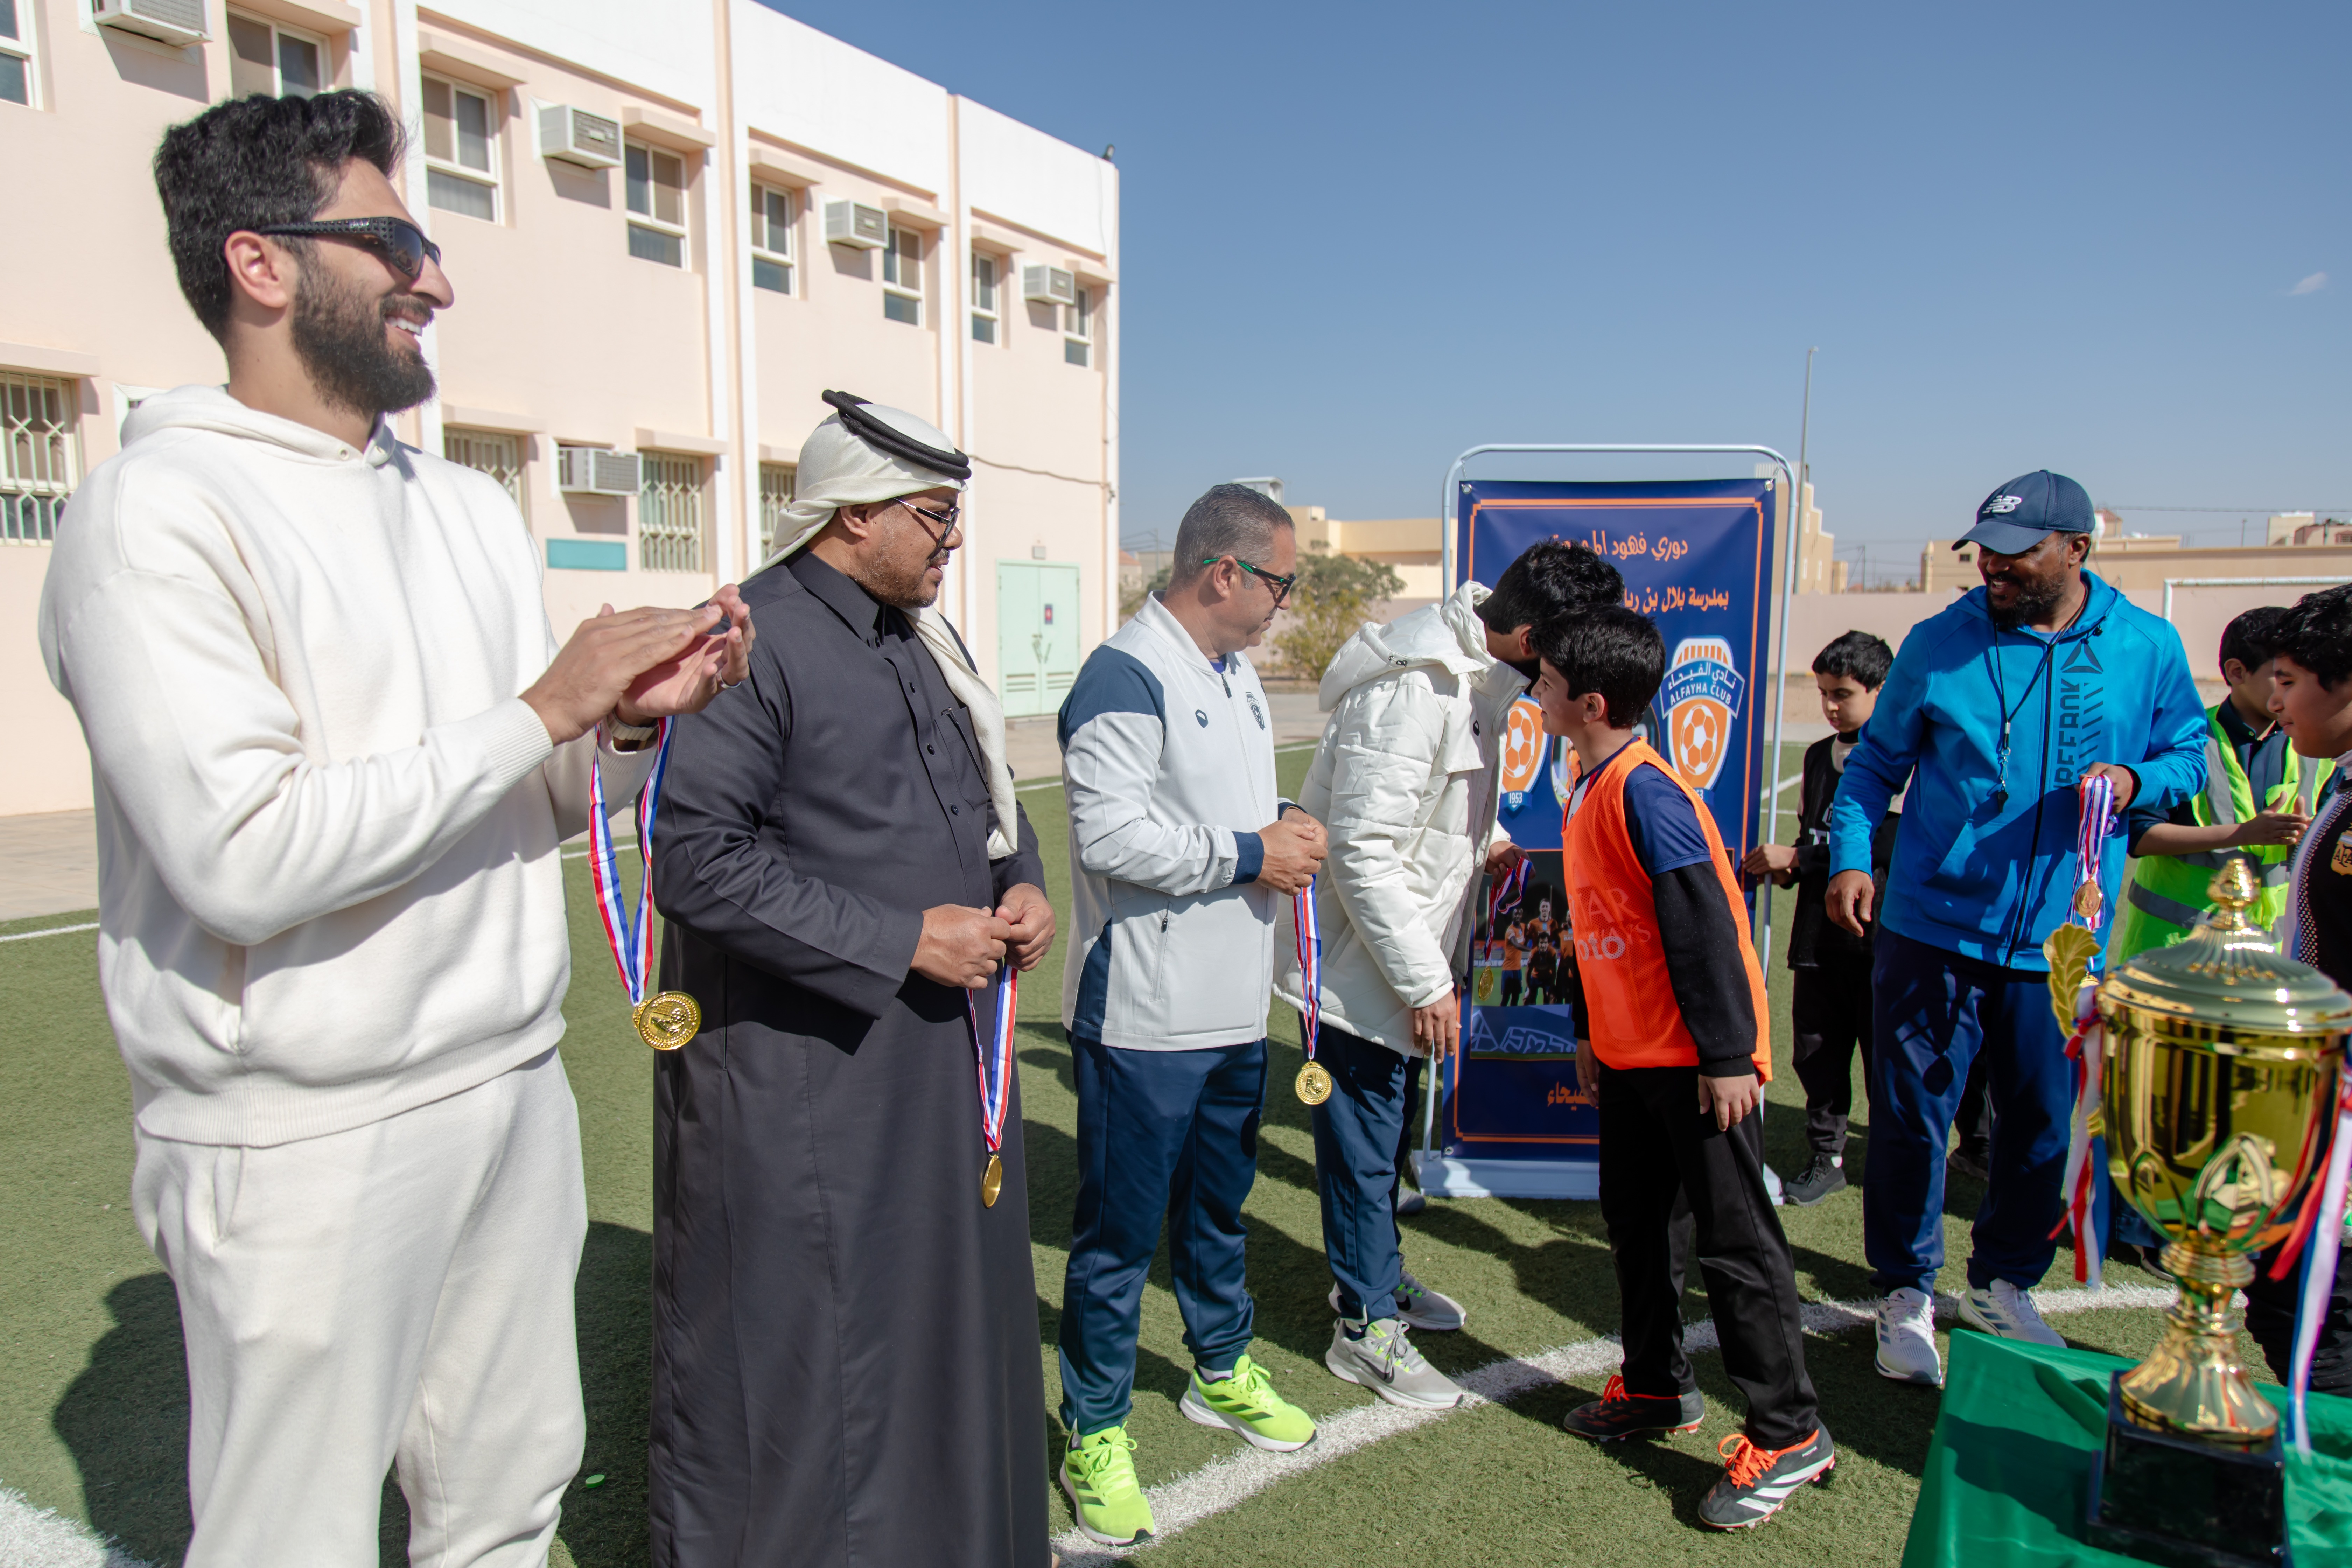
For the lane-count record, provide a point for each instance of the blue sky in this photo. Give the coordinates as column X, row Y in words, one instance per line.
column 2110, row 241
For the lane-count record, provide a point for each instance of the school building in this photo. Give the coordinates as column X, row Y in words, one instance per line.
column 670, row 225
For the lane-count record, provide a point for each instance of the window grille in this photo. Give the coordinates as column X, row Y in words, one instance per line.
column 669, row 513
column 40, row 455
column 775, row 495
column 492, row 453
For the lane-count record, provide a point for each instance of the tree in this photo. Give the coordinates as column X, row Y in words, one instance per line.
column 1131, row 602
column 1335, row 596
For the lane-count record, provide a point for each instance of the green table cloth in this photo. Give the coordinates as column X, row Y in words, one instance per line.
column 2010, row 1463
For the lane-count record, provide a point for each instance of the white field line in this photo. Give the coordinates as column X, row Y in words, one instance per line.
column 41, row 1538
column 1226, row 1483
column 52, row 931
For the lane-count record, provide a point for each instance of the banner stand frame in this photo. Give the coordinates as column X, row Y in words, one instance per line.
column 1461, row 1178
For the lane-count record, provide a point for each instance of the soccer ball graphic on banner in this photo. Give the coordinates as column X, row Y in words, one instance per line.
column 1700, row 699
column 1523, row 751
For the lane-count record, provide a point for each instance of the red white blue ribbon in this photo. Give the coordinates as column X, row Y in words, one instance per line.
column 2084, row 1047
column 1310, row 965
column 1505, row 894
column 630, row 940
column 995, row 1055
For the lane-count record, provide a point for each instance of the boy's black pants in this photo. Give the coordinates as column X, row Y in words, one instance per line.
column 1654, row 1145
column 1831, row 1015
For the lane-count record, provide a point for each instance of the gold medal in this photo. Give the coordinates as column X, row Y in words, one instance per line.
column 668, row 1020
column 1314, row 1083
column 2341, row 861
column 992, row 1181
column 2087, row 900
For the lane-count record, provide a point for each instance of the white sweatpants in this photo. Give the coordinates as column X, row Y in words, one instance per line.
column 402, row 1291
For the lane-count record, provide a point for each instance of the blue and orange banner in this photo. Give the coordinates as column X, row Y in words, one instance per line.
column 1697, row 557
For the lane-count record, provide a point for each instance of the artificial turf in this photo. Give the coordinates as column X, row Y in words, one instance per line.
column 93, row 1396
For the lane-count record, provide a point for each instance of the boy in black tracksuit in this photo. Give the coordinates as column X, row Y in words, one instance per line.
column 1830, row 1009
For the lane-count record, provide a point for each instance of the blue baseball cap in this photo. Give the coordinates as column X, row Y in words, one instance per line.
column 2018, row 516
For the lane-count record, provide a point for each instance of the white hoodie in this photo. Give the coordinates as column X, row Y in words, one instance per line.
column 1404, row 781
column 331, row 887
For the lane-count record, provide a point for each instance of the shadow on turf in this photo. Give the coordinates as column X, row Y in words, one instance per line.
column 125, row 1418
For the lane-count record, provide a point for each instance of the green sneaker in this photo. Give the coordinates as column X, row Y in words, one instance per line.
column 1247, row 1402
column 1098, row 1472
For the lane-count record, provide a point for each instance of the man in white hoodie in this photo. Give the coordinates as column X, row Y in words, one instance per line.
column 1405, row 779
column 335, row 753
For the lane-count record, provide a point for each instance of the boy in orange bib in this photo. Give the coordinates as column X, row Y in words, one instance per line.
column 1680, row 1038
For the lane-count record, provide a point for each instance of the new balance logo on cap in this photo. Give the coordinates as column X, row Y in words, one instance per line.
column 2000, row 504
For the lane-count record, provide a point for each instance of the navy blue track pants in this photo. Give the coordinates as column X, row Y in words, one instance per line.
column 1170, row 1134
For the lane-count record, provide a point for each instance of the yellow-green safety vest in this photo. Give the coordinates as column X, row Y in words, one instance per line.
column 2167, row 892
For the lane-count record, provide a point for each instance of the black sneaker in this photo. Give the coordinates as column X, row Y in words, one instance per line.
column 1973, row 1158
column 1618, row 1414
column 1757, row 1482
column 1823, row 1177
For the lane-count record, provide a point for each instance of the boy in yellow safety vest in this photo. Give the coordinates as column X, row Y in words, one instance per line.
column 2256, row 803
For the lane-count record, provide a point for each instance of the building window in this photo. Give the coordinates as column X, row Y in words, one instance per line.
column 1077, row 328
column 902, row 277
column 772, row 240
column 775, row 494
column 656, row 204
column 17, row 52
column 984, row 297
column 492, row 453
column 40, row 455
column 669, row 513
column 461, row 151
column 275, row 61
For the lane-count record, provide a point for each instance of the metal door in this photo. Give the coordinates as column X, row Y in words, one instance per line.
column 1036, row 635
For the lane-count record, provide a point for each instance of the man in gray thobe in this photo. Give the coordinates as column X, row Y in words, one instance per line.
column 847, row 1371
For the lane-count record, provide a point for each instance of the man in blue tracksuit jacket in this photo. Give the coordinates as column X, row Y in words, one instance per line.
column 2002, row 704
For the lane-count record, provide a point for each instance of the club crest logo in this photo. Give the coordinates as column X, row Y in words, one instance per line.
column 1523, row 750
column 1700, row 699
column 1257, row 713
column 2000, row 506
column 1202, row 715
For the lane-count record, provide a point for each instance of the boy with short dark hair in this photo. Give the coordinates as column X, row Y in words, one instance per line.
column 1831, row 1008
column 2311, row 696
column 1679, row 1036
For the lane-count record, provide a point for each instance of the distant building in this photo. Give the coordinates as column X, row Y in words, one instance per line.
column 1414, row 546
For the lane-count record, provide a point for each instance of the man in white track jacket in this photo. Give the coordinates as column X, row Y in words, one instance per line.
column 1180, row 852
column 335, row 755
column 1406, row 780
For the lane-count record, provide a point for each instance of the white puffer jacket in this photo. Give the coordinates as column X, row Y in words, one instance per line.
column 1404, row 779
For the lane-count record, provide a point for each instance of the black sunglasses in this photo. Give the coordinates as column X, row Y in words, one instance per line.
column 401, row 243
column 947, row 520
column 1281, row 586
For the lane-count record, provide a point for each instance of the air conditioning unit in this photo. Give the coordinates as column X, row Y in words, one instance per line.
column 579, row 137
column 175, row 22
column 856, row 224
column 595, row 472
column 1050, row 284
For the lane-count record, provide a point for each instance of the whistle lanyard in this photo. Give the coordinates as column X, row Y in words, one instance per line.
column 2000, row 689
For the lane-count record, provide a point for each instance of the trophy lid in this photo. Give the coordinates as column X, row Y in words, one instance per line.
column 2228, row 972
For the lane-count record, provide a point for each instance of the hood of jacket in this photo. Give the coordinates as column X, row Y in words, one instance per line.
column 211, row 409
column 1448, row 633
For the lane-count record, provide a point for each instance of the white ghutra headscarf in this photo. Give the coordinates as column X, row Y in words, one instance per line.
column 867, row 453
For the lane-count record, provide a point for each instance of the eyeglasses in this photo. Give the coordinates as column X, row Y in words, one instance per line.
column 400, row 244
column 1281, row 586
column 947, row 520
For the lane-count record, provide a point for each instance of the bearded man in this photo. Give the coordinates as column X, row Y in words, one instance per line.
column 336, row 752
column 845, row 1317
column 1994, row 712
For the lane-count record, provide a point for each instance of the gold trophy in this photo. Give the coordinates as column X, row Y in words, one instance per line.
column 2219, row 1091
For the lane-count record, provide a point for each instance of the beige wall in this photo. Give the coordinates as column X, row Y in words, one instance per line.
column 559, row 335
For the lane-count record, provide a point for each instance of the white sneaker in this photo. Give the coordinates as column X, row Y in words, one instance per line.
column 1907, row 1337
column 1381, row 1358
column 2002, row 1309
column 1420, row 1306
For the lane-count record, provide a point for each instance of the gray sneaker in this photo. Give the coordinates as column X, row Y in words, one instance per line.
column 1383, row 1360
column 1420, row 1306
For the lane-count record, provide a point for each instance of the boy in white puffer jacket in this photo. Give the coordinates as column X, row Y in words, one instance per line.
column 1406, row 782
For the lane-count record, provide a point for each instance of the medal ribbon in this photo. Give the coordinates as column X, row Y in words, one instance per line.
column 1310, row 965
column 1505, row 892
column 2084, row 1045
column 2320, row 1227
column 994, row 1056
column 630, row 940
